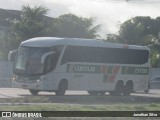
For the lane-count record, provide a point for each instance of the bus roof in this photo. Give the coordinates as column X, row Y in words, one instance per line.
column 53, row 41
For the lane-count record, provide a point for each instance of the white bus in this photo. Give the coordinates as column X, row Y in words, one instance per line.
column 60, row 64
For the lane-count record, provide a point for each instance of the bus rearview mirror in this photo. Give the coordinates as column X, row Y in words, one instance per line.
column 45, row 56
column 12, row 55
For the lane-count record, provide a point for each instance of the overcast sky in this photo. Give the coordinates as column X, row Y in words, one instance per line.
column 109, row 13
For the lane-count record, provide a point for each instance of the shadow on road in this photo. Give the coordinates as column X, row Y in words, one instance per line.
column 87, row 99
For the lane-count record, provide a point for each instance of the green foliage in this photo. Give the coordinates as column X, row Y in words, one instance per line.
column 112, row 38
column 153, row 58
column 72, row 26
column 135, row 30
column 9, row 41
column 140, row 31
column 32, row 23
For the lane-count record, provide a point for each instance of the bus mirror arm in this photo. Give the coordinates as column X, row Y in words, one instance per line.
column 63, row 62
column 11, row 55
column 45, row 55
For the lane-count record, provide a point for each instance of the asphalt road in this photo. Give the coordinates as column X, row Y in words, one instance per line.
column 82, row 97
column 16, row 92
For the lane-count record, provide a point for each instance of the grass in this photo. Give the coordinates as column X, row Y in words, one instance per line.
column 29, row 99
column 44, row 105
column 17, row 104
column 75, row 107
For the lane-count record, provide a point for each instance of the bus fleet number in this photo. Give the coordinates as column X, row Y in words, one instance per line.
column 141, row 71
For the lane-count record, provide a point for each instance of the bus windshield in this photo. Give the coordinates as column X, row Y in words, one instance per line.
column 28, row 61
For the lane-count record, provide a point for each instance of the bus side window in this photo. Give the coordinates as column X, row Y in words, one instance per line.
column 50, row 63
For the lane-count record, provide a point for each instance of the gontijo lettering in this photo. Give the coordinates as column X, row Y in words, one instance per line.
column 77, row 68
column 84, row 69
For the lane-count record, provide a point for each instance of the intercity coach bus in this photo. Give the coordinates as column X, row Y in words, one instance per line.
column 59, row 64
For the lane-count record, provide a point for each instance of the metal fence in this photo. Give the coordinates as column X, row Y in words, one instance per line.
column 155, row 72
column 6, row 69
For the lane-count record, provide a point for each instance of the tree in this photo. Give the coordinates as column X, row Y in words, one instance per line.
column 32, row 23
column 113, row 38
column 8, row 42
column 136, row 30
column 142, row 31
column 70, row 25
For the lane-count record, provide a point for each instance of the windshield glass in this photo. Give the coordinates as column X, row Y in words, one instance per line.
column 28, row 61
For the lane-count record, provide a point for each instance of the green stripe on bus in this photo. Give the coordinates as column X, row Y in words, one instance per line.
column 101, row 69
column 110, row 69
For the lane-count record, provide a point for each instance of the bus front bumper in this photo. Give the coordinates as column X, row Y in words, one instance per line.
column 38, row 85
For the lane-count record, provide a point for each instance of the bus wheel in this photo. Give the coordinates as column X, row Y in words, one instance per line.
column 34, row 92
column 118, row 89
column 147, row 90
column 63, row 85
column 128, row 88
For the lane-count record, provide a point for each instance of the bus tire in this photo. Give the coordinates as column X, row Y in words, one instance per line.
column 118, row 89
column 34, row 92
column 63, row 86
column 147, row 90
column 128, row 88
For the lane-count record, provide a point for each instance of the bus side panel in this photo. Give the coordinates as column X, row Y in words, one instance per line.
column 79, row 79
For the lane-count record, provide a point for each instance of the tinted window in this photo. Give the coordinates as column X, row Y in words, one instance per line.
column 105, row 55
